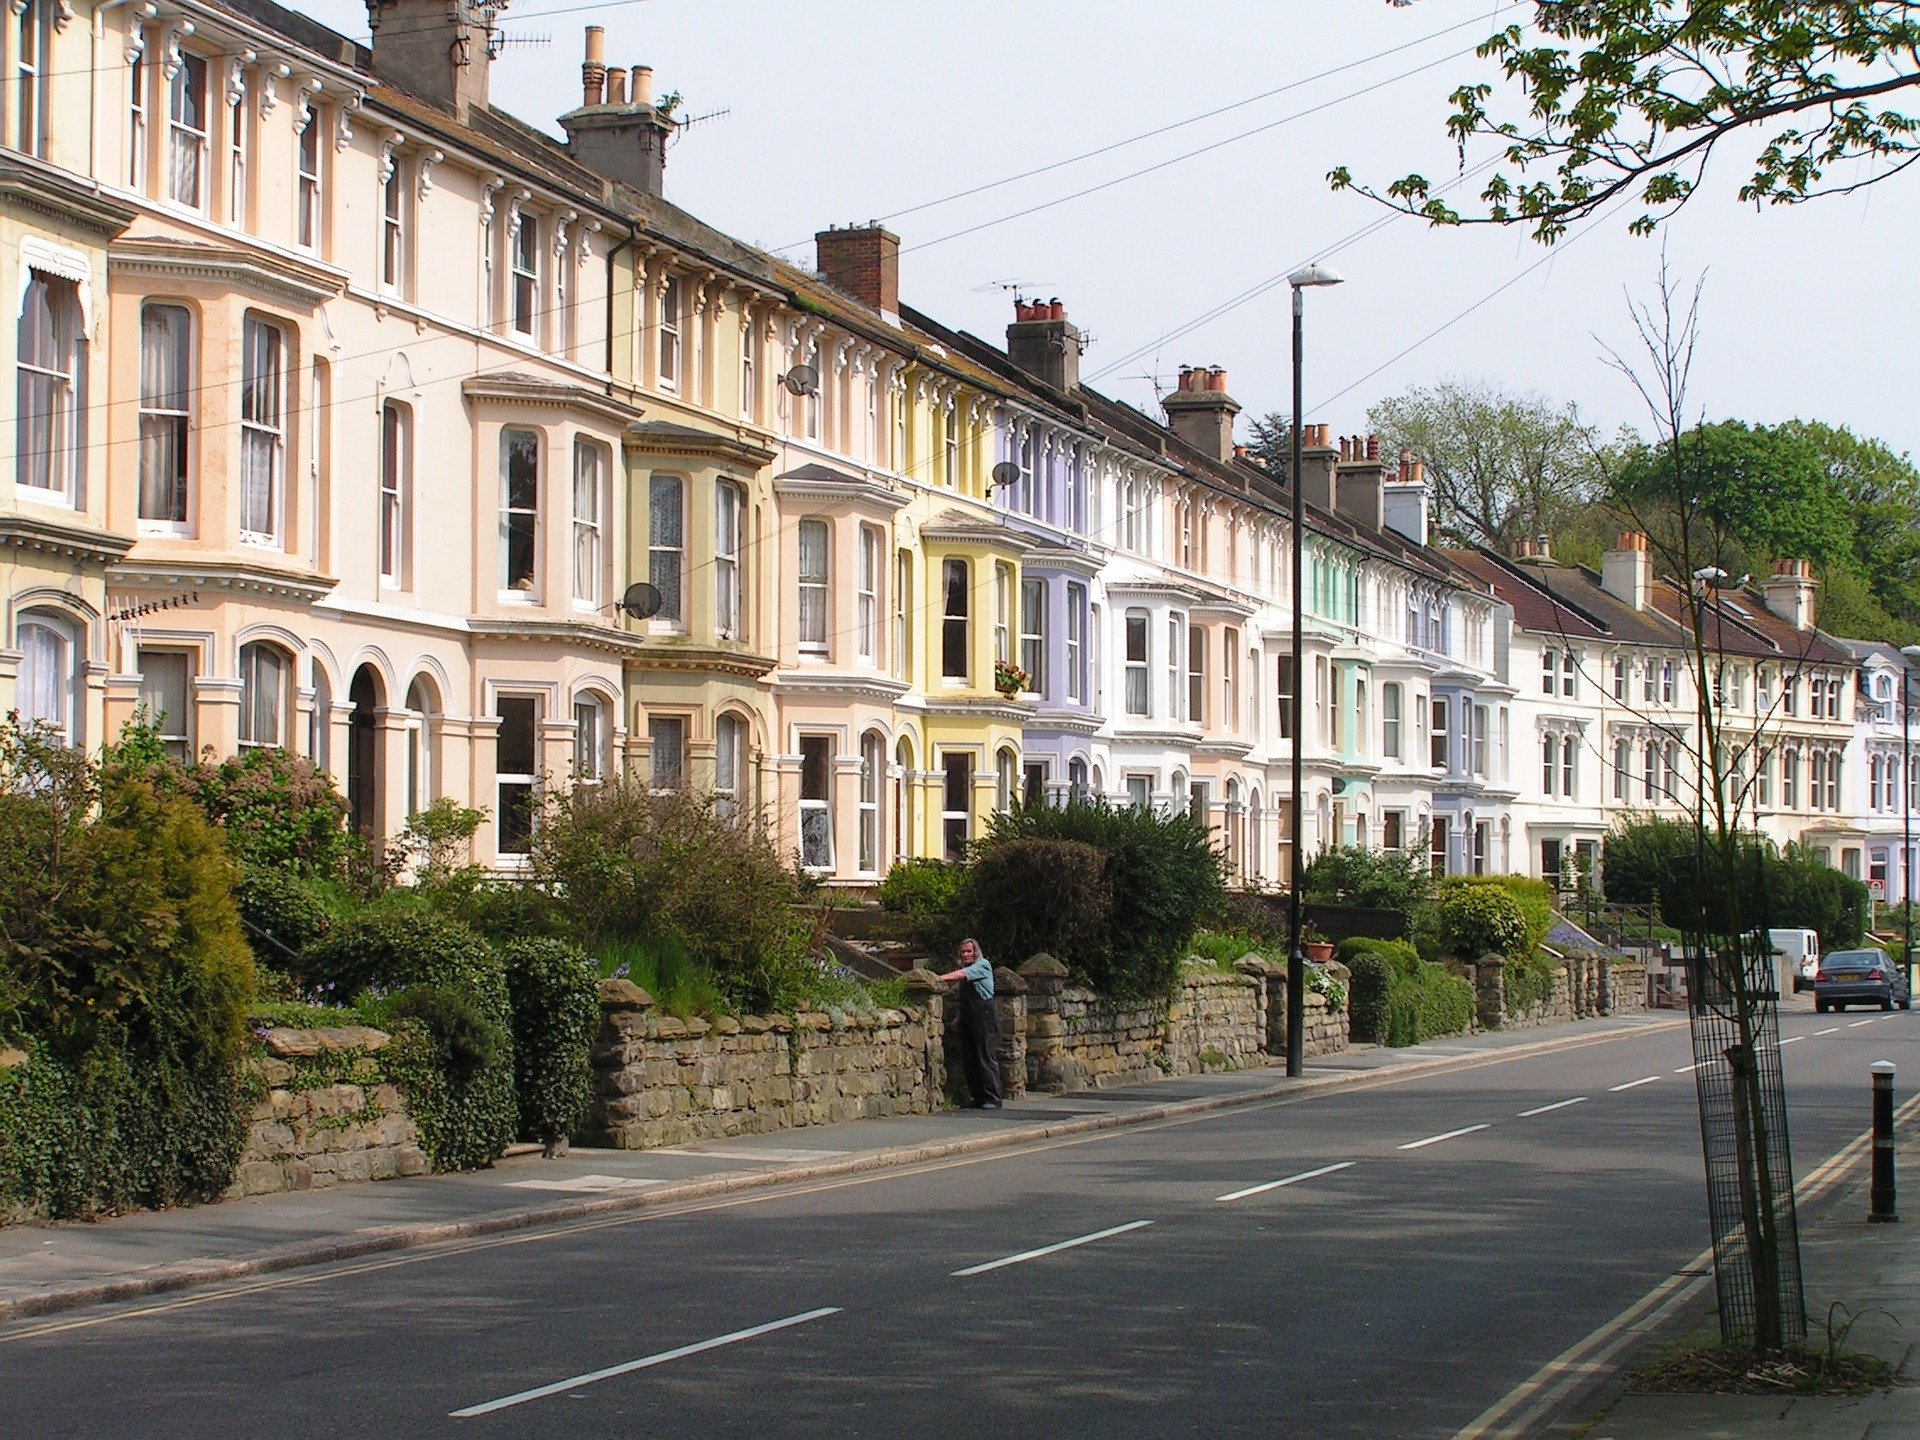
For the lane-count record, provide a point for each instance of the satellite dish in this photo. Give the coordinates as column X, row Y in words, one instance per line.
column 641, row 601
column 801, row 380
column 1005, row 473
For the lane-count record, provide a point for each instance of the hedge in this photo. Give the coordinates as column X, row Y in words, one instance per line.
column 1475, row 918
column 455, row 1058
column 1396, row 998
column 1024, row 896
column 554, row 988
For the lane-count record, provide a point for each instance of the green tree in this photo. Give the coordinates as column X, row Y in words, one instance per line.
column 1501, row 466
column 1747, row 491
column 1632, row 97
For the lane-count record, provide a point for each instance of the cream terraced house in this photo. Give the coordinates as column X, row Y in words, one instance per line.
column 354, row 420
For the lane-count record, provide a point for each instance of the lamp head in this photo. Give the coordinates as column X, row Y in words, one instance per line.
column 1315, row 274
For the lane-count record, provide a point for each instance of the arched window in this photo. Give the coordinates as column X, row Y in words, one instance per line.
column 1076, row 779
column 873, row 760
column 1006, row 766
column 903, row 826
column 423, row 727
column 729, row 765
column 591, row 737
column 320, row 723
column 264, row 676
column 1256, row 836
column 48, row 689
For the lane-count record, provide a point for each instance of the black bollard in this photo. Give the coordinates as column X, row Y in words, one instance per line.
column 1883, row 1211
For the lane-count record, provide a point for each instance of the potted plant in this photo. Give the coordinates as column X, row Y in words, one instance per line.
column 1009, row 679
column 1314, row 944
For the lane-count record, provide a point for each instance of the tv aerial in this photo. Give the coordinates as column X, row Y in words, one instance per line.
column 641, row 601
column 801, row 380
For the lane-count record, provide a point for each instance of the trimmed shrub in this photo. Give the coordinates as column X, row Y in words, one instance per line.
column 922, row 890
column 1475, row 919
column 457, row 1061
column 1023, row 896
column 1355, row 875
column 556, row 1014
column 280, row 914
column 1161, row 870
column 1369, row 995
column 1431, row 1001
column 634, row 864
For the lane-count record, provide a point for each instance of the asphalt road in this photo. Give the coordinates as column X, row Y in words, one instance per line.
column 1430, row 1245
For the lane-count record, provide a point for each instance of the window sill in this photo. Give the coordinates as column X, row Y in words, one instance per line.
column 261, row 542
column 52, row 499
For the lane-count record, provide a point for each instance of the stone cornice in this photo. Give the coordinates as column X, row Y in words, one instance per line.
column 687, row 659
column 1066, row 722
column 1061, row 557
column 857, row 687
column 227, row 573
column 23, row 530
column 678, row 442
column 516, row 387
column 1012, row 713
column 257, row 273
column 29, row 184
column 579, row 633
column 844, row 489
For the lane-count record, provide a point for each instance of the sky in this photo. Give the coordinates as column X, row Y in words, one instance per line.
column 843, row 111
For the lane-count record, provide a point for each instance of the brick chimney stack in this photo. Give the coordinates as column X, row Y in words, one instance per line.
column 1045, row 344
column 435, row 50
column 1201, row 412
column 617, row 132
column 1789, row 592
column 1403, row 499
column 1360, row 480
column 862, row 262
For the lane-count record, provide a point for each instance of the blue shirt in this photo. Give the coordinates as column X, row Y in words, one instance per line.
column 980, row 973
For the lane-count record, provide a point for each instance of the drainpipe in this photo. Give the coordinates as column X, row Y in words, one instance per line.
column 611, row 254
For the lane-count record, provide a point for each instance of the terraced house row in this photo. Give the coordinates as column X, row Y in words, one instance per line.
column 350, row 409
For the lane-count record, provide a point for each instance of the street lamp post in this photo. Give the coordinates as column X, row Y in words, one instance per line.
column 1296, row 957
column 1909, row 656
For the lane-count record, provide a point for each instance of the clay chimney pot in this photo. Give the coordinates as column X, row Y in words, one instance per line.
column 642, row 85
column 616, row 86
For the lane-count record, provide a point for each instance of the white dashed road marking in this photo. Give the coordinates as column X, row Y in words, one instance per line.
column 644, row 1363
column 1436, row 1139
column 1290, row 1180
column 1632, row 1084
column 1053, row 1249
column 1557, row 1105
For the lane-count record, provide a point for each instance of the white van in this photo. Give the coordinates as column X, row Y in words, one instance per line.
column 1799, row 950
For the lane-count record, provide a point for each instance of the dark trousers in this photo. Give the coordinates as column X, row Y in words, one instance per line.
column 980, row 1043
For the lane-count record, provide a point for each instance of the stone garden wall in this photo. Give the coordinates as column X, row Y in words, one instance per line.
column 659, row 1080
column 326, row 1118
column 1583, row 986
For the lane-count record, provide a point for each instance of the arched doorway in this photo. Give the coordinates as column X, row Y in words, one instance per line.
column 363, row 754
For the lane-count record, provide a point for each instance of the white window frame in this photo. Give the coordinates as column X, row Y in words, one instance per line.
column 902, row 656
column 590, row 740
column 266, row 672
column 866, row 610
column 873, row 769
column 524, row 275
column 729, row 518
column 956, row 624
column 1033, row 632
column 667, row 752
column 1138, row 659
column 1392, row 702
column 591, row 465
column 516, row 782
column 816, row 810
column 396, row 492
column 33, row 68
column 393, row 228
column 186, row 143
column 813, row 571
column 1076, row 642
column 521, row 517
column 263, row 431
column 309, row 219
column 166, row 421
column 672, row 303
column 50, row 442
column 729, row 764
column 53, row 643
column 173, row 728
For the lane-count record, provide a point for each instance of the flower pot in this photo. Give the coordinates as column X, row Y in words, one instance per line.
column 1318, row 951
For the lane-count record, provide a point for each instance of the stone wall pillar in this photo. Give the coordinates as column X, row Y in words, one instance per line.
column 1490, row 991
column 1603, row 987
column 928, row 993
column 1010, row 1007
column 1045, row 1030
column 1272, row 979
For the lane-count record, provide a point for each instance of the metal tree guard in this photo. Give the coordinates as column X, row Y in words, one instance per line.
column 1733, row 1004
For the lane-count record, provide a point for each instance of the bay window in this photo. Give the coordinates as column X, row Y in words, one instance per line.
column 263, row 441
column 519, row 512
column 813, row 587
column 51, row 365
column 166, row 413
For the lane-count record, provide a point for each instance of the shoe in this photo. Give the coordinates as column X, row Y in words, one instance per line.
column 989, row 1104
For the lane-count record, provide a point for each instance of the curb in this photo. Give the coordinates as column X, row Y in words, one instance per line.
column 193, row 1274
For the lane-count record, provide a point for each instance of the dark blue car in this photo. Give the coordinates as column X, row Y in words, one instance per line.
column 1860, row 977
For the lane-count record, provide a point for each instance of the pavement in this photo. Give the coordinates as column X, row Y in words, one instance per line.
column 1872, row 1271
column 49, row 1268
